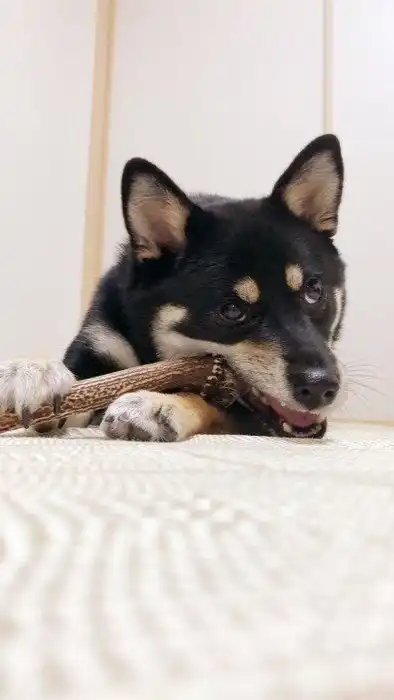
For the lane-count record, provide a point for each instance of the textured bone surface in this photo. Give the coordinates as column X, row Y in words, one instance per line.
column 98, row 392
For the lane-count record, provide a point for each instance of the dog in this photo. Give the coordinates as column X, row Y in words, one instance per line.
column 256, row 281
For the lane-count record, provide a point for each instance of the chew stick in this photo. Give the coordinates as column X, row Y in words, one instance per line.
column 206, row 375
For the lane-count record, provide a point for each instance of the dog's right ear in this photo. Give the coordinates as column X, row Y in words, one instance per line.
column 311, row 187
column 155, row 210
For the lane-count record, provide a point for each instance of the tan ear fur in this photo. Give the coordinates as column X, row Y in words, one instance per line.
column 156, row 216
column 312, row 193
column 311, row 187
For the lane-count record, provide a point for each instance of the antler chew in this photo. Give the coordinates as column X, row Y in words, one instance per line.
column 202, row 374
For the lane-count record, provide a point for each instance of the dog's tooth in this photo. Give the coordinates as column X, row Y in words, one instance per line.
column 287, row 428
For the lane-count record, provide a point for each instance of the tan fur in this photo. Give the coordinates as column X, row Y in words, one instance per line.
column 192, row 415
column 111, row 344
column 263, row 366
column 338, row 295
column 169, row 315
column 312, row 194
column 157, row 218
column 152, row 416
column 171, row 343
column 164, row 322
column 248, row 290
column 294, row 277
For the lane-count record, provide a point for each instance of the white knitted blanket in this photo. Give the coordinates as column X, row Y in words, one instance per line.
column 218, row 569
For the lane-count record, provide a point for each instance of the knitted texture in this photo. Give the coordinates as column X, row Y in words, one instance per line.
column 223, row 568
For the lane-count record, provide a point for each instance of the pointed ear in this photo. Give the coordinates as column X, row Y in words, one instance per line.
column 311, row 187
column 155, row 210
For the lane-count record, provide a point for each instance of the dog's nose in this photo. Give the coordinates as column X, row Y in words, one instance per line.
column 315, row 387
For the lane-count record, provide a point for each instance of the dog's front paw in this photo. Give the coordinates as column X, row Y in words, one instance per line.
column 26, row 385
column 146, row 416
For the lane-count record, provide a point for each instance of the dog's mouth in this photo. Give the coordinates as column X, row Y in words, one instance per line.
column 284, row 421
column 275, row 418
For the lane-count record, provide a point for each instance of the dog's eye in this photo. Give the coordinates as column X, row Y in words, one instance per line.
column 313, row 291
column 233, row 313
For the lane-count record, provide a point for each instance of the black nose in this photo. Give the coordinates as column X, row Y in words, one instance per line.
column 315, row 387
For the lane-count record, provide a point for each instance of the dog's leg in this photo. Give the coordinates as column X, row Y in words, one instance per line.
column 151, row 416
column 27, row 385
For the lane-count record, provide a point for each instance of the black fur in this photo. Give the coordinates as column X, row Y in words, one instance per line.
column 222, row 242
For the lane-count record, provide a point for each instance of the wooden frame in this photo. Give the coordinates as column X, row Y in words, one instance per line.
column 98, row 149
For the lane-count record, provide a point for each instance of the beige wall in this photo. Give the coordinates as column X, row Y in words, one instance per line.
column 219, row 94
column 362, row 113
column 46, row 78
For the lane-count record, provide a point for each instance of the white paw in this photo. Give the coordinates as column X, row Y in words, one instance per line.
column 145, row 416
column 26, row 385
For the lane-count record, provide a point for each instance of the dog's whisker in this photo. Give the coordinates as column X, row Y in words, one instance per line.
column 364, row 375
column 362, row 371
column 352, row 392
column 359, row 388
column 373, row 390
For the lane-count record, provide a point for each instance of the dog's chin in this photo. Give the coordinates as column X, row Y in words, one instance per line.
column 285, row 421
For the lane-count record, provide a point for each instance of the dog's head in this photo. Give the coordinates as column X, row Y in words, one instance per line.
column 257, row 281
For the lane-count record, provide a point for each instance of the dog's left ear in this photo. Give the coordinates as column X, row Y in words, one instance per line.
column 311, row 187
column 155, row 210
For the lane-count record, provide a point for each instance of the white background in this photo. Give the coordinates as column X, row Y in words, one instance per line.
column 221, row 95
column 363, row 116
column 46, row 91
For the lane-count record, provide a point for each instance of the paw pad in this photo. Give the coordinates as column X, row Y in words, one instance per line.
column 142, row 416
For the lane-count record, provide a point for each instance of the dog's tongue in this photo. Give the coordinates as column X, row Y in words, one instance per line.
column 297, row 419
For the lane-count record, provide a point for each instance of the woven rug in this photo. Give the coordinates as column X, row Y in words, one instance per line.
column 227, row 568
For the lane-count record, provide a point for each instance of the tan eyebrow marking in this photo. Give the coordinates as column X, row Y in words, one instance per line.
column 168, row 316
column 294, row 277
column 248, row 290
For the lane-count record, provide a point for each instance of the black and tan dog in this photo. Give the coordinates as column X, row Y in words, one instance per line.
column 258, row 281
